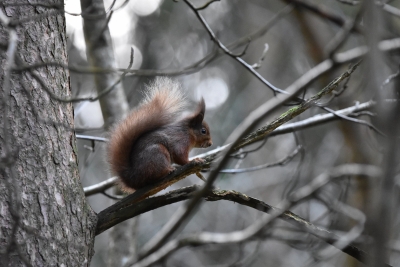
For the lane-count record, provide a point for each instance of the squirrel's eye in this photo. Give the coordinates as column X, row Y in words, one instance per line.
column 203, row 130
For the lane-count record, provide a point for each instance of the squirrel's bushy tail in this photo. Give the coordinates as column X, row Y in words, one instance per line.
column 163, row 103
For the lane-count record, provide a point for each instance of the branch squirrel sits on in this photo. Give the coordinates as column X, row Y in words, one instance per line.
column 143, row 146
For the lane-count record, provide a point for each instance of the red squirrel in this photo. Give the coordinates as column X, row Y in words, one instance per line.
column 143, row 146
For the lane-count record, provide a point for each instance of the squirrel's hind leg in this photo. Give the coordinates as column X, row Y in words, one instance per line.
column 162, row 162
column 150, row 165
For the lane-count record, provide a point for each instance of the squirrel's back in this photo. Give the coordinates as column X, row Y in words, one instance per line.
column 163, row 103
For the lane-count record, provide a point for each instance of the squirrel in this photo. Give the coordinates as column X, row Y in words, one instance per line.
column 143, row 146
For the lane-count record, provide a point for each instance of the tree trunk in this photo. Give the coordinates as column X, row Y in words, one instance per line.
column 114, row 107
column 44, row 217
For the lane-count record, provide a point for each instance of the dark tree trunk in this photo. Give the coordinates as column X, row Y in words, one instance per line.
column 44, row 217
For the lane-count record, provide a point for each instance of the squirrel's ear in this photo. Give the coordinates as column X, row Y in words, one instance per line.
column 199, row 114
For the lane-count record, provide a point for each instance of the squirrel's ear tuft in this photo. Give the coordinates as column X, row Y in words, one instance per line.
column 199, row 114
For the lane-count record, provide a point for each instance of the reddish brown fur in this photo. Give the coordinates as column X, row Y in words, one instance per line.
column 143, row 146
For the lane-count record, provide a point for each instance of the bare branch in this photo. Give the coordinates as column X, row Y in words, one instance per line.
column 390, row 79
column 264, row 53
column 251, row 231
column 321, row 118
column 280, row 162
column 113, row 197
column 370, row 125
column 295, row 111
column 100, row 187
column 349, row 2
column 206, row 4
column 391, row 10
column 93, row 138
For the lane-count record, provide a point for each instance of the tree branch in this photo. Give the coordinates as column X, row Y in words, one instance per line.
column 240, row 198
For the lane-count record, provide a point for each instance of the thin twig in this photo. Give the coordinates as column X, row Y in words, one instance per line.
column 349, row 2
column 100, row 187
column 93, row 138
column 206, row 4
column 344, row 117
column 226, row 51
column 280, row 162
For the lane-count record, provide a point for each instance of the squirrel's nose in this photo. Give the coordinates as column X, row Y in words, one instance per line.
column 209, row 143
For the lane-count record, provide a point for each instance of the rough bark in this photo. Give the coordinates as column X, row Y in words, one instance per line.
column 44, row 217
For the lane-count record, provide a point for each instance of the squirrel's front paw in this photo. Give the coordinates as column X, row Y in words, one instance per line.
column 171, row 170
column 199, row 160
